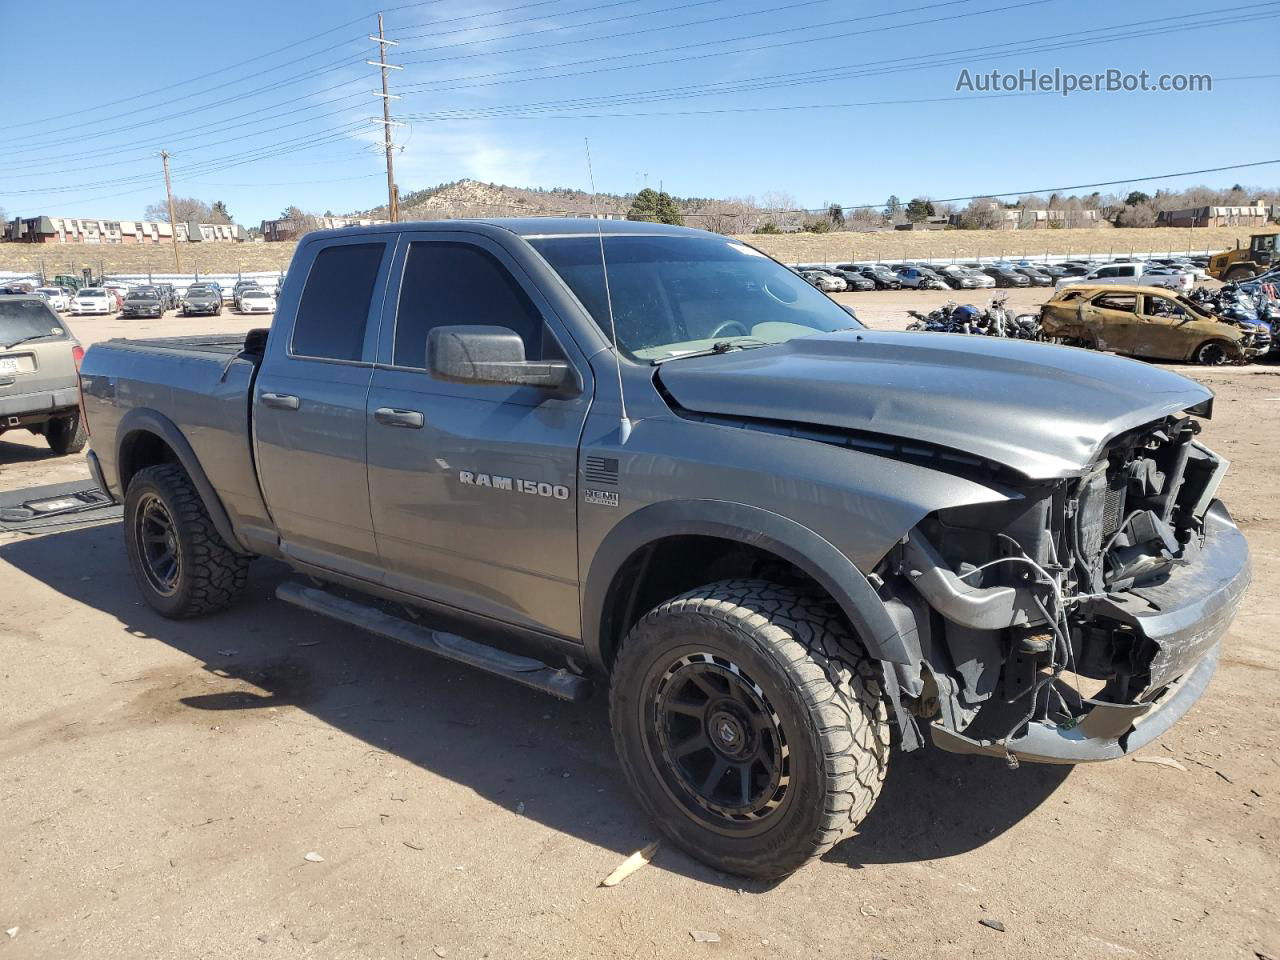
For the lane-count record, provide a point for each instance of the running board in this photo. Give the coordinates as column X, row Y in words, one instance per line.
column 523, row 670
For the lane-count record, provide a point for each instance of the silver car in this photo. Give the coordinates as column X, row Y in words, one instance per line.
column 39, row 360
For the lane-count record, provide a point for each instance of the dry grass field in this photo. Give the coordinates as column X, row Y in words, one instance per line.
column 790, row 248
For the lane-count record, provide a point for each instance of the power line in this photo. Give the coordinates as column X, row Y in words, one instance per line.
column 826, row 74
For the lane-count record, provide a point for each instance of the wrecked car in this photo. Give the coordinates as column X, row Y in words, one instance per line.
column 1149, row 322
column 655, row 460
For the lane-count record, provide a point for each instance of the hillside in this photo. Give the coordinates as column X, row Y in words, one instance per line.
column 790, row 248
column 471, row 198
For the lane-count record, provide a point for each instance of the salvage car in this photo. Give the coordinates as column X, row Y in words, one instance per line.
column 1005, row 276
column 38, row 361
column 655, row 459
column 93, row 301
column 881, row 276
column 1149, row 322
column 854, row 280
column 960, row 277
column 143, row 302
column 201, row 300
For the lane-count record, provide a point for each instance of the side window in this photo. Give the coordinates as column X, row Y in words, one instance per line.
column 451, row 284
column 334, row 309
column 1117, row 301
column 1107, row 272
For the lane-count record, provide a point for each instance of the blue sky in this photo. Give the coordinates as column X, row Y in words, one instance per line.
column 264, row 105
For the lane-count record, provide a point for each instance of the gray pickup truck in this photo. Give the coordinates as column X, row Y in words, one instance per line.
column 568, row 451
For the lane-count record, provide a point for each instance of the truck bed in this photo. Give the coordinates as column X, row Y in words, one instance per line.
column 222, row 345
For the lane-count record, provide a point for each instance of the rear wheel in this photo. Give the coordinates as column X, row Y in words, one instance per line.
column 180, row 562
column 65, row 434
column 750, row 725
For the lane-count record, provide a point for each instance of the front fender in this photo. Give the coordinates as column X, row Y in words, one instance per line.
column 749, row 525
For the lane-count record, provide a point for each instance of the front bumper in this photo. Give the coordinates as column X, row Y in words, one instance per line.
column 1185, row 617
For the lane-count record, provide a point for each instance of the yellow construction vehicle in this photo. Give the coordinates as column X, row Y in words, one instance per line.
column 1244, row 263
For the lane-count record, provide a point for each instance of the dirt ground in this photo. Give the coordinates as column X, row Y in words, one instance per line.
column 161, row 784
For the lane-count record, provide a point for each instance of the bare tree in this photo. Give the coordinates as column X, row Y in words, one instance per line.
column 186, row 209
column 982, row 213
column 1137, row 215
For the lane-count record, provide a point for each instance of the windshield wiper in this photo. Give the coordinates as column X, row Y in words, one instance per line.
column 720, row 346
column 34, row 336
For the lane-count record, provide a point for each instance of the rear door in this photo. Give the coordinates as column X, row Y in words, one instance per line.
column 309, row 406
column 1114, row 318
column 472, row 486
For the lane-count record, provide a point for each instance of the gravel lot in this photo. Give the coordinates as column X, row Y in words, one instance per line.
column 161, row 784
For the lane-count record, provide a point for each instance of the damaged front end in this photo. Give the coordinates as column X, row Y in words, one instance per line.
column 1078, row 620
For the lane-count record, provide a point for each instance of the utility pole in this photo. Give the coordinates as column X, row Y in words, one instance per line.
column 173, row 224
column 393, row 197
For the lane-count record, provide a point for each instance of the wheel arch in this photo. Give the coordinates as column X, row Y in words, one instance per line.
column 615, row 579
column 147, row 438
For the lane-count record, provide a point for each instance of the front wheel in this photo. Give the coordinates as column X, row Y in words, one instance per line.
column 750, row 724
column 180, row 562
column 1212, row 354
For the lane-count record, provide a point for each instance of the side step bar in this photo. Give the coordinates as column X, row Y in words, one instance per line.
column 523, row 670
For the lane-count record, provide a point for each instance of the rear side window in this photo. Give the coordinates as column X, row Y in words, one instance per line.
column 334, row 309
column 1117, row 301
column 456, row 284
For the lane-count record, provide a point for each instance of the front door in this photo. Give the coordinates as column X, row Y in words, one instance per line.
column 473, row 487
column 309, row 408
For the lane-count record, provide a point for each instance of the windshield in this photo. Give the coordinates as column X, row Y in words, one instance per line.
column 90, row 292
column 20, row 319
column 254, row 294
column 143, row 294
column 681, row 294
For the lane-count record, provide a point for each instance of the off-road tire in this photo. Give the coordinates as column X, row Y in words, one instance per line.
column 65, row 434
column 210, row 575
column 825, row 696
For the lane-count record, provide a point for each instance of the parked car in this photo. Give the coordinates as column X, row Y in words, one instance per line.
column 143, row 302
column 39, row 357
column 93, row 301
column 826, row 282
column 1005, row 276
column 881, row 276
column 917, row 278
column 118, row 290
column 58, row 298
column 1130, row 274
column 201, row 300
column 240, row 287
column 758, row 631
column 1149, row 322
column 1037, row 276
column 960, row 277
column 168, row 294
column 854, row 280
column 257, row 301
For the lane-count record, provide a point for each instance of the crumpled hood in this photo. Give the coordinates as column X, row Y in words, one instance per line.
column 1040, row 409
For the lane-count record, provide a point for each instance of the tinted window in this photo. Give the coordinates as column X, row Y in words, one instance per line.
column 456, row 284
column 334, row 309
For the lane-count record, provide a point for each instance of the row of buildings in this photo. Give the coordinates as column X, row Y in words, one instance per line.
column 45, row 229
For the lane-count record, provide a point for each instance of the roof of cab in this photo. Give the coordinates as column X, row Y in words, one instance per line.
column 522, row 226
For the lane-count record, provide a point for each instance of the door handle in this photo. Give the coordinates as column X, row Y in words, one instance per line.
column 395, row 417
column 281, row 401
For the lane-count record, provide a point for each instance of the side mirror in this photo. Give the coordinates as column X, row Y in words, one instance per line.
column 493, row 356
